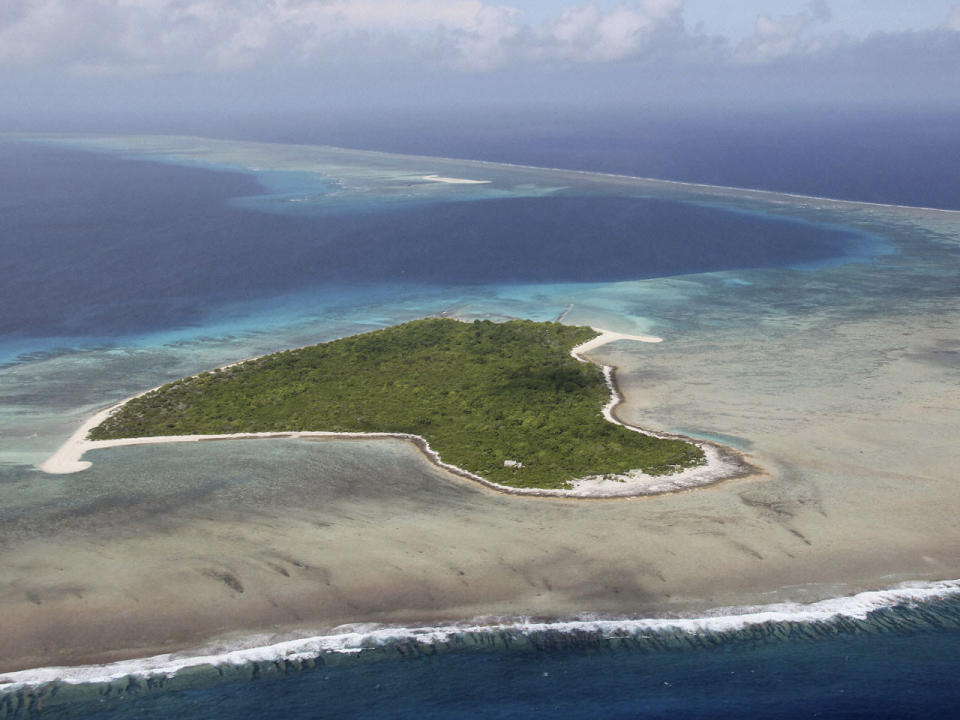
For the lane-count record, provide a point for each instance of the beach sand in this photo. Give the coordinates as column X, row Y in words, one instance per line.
column 720, row 463
column 161, row 547
column 846, row 397
column 453, row 180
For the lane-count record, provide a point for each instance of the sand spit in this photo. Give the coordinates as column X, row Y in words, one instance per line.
column 453, row 180
column 720, row 463
column 608, row 336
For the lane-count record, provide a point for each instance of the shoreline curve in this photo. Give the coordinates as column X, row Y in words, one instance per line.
column 722, row 463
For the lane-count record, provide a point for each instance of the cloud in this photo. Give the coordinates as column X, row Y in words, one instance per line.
column 211, row 35
column 587, row 34
column 788, row 36
column 820, row 11
column 953, row 20
column 204, row 38
column 488, row 41
column 177, row 35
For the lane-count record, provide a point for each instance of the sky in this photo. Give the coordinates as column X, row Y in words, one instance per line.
column 68, row 59
column 737, row 18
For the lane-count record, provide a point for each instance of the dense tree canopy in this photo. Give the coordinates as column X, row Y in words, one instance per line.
column 480, row 393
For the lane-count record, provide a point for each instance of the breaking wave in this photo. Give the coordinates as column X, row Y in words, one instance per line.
column 911, row 606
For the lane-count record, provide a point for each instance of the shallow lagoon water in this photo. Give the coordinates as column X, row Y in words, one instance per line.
column 837, row 374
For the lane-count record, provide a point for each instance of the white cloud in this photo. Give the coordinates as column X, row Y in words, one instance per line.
column 482, row 44
column 178, row 35
column 953, row 20
column 214, row 34
column 587, row 34
column 207, row 36
column 789, row 35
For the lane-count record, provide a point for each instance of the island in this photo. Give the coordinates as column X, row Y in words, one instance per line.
column 510, row 403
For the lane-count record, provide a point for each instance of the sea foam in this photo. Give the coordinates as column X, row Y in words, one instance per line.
column 356, row 639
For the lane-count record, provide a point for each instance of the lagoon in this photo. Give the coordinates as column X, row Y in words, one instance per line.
column 831, row 355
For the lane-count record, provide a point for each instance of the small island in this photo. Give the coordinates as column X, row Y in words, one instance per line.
column 511, row 403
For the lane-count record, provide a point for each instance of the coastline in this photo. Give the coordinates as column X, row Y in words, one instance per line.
column 453, row 180
column 721, row 463
column 860, row 498
column 425, row 552
column 760, row 621
column 219, row 154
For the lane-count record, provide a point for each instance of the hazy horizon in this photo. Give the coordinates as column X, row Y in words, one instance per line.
column 171, row 205
column 169, row 65
column 659, row 88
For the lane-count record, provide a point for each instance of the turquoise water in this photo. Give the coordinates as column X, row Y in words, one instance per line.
column 121, row 248
column 781, row 314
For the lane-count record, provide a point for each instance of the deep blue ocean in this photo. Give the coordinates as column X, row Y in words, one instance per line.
column 901, row 664
column 882, row 154
column 100, row 251
column 888, row 676
column 99, row 246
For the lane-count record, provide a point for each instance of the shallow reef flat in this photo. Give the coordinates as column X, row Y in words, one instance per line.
column 336, row 175
column 839, row 378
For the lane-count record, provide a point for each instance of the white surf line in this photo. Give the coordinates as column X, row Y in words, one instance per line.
column 68, row 458
column 355, row 638
column 758, row 193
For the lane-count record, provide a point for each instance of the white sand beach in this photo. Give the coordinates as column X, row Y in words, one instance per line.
column 720, row 464
column 609, row 336
column 453, row 180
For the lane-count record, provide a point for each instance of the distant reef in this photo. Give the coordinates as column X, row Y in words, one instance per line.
column 505, row 401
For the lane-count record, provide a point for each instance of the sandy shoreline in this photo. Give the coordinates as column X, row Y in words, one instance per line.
column 232, row 540
column 160, row 549
column 454, row 180
column 721, row 463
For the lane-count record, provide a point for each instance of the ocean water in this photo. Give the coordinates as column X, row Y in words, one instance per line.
column 137, row 247
column 896, row 662
column 877, row 154
column 819, row 336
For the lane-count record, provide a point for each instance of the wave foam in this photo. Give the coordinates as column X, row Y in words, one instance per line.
column 351, row 639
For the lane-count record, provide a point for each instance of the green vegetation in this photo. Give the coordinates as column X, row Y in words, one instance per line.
column 480, row 393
